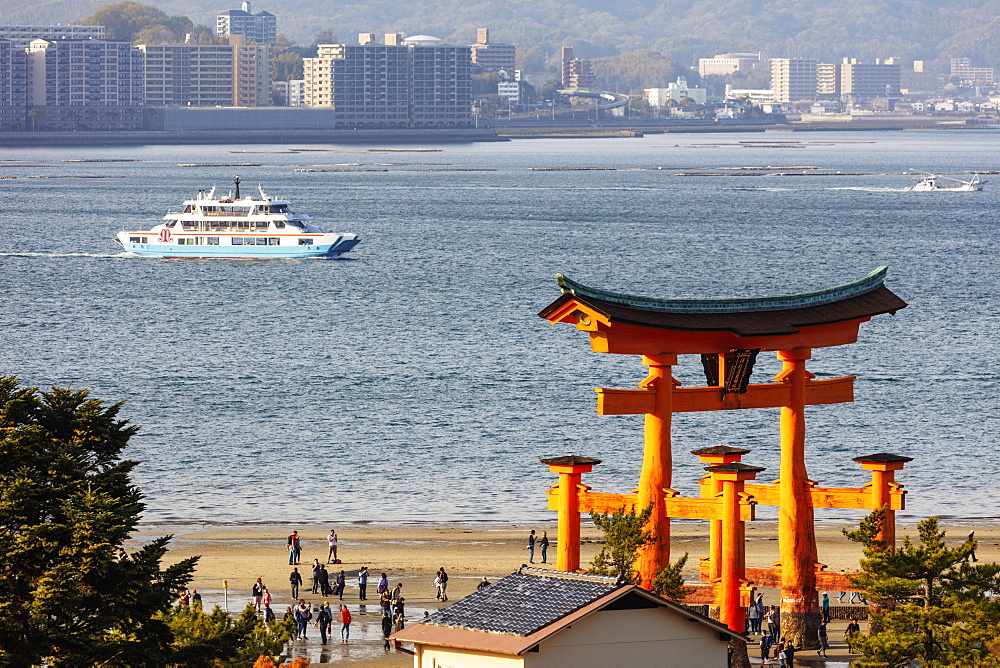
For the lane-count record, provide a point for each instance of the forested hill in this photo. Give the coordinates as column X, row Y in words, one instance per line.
column 682, row 30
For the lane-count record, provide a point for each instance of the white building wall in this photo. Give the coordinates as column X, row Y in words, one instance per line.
column 444, row 657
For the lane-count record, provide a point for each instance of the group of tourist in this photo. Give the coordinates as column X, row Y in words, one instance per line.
column 302, row 613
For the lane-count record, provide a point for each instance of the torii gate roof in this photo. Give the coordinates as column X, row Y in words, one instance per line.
column 622, row 323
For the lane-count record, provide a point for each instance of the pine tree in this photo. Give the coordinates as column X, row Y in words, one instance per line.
column 623, row 536
column 932, row 606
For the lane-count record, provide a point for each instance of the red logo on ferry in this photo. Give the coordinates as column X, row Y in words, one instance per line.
column 164, row 236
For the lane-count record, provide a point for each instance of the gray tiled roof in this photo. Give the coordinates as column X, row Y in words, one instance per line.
column 523, row 602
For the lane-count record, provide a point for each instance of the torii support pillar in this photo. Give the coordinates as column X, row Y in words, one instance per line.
column 715, row 455
column 570, row 470
column 883, row 467
column 730, row 478
column 800, row 613
column 657, row 467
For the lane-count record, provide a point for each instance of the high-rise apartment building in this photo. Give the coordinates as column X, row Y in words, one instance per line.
column 492, row 57
column 793, row 79
column 861, row 81
column 727, row 63
column 391, row 85
column 827, row 81
column 207, row 75
column 261, row 27
column 13, row 87
column 85, row 84
column 576, row 73
column 22, row 36
column 969, row 75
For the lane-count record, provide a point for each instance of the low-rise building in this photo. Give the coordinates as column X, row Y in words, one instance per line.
column 553, row 619
column 725, row 64
column 675, row 92
column 970, row 76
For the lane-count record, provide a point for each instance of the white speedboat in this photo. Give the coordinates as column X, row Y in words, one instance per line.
column 236, row 226
column 927, row 181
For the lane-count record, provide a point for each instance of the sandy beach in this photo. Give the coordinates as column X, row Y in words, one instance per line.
column 411, row 554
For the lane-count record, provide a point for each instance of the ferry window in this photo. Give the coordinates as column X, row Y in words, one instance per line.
column 135, row 240
column 280, row 208
column 260, row 223
column 273, row 241
column 213, row 241
column 237, row 241
column 261, row 241
column 279, row 225
column 187, row 209
column 305, row 242
column 171, row 223
column 143, row 240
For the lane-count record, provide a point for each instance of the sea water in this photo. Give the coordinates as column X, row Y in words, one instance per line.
column 414, row 381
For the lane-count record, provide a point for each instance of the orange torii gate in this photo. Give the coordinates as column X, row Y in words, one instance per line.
column 728, row 334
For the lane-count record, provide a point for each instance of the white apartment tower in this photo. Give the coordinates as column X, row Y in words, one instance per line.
column 492, row 57
column 261, row 27
column 793, row 79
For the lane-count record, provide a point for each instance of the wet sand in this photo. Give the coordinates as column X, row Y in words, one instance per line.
column 411, row 554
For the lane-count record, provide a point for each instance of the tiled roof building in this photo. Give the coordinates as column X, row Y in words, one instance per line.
column 538, row 617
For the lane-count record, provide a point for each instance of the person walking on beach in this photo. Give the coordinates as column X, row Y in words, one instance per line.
column 324, row 580
column 324, row 619
column 195, row 599
column 295, row 580
column 483, row 585
column 531, row 546
column 302, row 617
column 852, row 629
column 268, row 616
column 972, row 541
column 444, row 584
column 386, row 630
column 825, row 606
column 765, row 649
column 294, row 549
column 824, row 641
column 258, row 594
column 753, row 619
column 345, row 624
column 341, row 585
column 385, row 600
column 331, row 541
column 267, row 597
column 383, row 584
column 363, row 583
column 437, row 585
column 315, row 576
column 544, row 544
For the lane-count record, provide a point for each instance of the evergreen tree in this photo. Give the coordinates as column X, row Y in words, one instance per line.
column 932, row 606
column 623, row 536
column 70, row 593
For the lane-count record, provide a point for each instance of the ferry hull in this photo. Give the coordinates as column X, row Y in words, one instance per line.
column 204, row 252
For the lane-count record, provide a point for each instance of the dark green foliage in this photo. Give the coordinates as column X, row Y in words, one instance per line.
column 67, row 590
column 633, row 71
column 623, row 536
column 933, row 606
column 204, row 637
column 669, row 583
column 140, row 24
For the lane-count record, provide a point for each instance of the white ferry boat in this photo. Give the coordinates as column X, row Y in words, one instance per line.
column 928, row 182
column 236, row 226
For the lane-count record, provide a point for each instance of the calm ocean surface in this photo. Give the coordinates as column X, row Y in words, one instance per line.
column 414, row 381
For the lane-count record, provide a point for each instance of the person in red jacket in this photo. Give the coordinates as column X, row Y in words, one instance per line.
column 345, row 621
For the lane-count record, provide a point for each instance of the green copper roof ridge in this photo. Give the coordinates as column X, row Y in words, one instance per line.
column 828, row 295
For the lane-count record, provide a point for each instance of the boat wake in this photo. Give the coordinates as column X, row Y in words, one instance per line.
column 98, row 255
column 871, row 189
